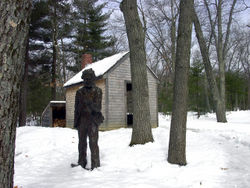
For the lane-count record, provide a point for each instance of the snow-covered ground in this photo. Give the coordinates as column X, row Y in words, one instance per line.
column 218, row 156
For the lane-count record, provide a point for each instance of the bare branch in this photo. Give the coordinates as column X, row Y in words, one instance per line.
column 212, row 24
column 228, row 28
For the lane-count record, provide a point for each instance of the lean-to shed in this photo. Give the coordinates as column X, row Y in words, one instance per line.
column 116, row 88
column 54, row 114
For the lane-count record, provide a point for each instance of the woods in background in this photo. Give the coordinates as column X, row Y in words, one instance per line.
column 220, row 20
column 38, row 53
column 61, row 31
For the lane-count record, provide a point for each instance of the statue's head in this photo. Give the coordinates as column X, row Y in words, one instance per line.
column 89, row 78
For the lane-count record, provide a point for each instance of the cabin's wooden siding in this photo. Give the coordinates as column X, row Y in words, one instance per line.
column 117, row 95
column 153, row 98
column 70, row 102
column 70, row 105
column 117, row 100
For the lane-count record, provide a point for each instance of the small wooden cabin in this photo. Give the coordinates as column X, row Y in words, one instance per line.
column 116, row 88
column 54, row 114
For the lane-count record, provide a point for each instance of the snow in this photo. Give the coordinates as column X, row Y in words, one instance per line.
column 99, row 67
column 57, row 101
column 218, row 155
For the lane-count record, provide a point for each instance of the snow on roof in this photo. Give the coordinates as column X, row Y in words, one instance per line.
column 99, row 67
column 57, row 101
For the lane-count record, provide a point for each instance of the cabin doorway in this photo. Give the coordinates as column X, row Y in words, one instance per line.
column 129, row 100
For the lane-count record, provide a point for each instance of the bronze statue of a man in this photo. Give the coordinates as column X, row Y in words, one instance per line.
column 88, row 116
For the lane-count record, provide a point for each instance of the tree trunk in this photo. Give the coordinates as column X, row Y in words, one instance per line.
column 177, row 141
column 208, row 106
column 221, row 61
column 54, row 61
column 248, row 93
column 219, row 108
column 23, row 90
column 173, row 40
column 13, row 31
column 142, row 132
column 62, row 67
column 64, row 62
column 236, row 106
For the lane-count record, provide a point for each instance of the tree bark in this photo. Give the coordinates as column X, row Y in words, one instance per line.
column 13, row 31
column 142, row 132
column 219, row 107
column 177, row 141
column 23, row 90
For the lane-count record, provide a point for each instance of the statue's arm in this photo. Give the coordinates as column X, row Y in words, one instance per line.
column 97, row 102
column 97, row 106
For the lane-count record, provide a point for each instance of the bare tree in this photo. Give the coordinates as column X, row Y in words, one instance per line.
column 220, row 113
column 13, row 31
column 160, row 18
column 177, row 141
column 142, row 132
column 220, row 22
column 161, row 31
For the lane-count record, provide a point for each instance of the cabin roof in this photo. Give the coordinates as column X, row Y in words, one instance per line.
column 99, row 67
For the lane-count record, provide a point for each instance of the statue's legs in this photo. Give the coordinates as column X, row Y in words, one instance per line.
column 82, row 145
column 93, row 144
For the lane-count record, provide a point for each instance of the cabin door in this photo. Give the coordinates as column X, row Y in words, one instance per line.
column 129, row 114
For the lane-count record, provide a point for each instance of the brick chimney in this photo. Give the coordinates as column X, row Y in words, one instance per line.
column 86, row 59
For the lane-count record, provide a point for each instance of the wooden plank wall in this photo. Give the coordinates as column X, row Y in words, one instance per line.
column 70, row 102
column 117, row 100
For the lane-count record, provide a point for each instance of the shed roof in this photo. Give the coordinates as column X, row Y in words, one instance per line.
column 57, row 103
column 99, row 67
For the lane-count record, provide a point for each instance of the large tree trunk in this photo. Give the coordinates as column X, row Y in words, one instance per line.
column 23, row 90
column 142, row 132
column 13, row 31
column 177, row 141
column 219, row 107
column 248, row 93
